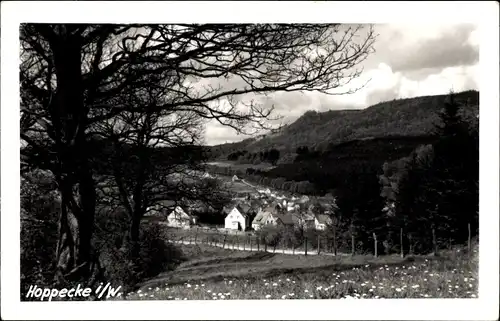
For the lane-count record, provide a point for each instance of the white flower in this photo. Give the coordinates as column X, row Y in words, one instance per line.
column 291, row 294
column 222, row 297
column 275, row 284
column 268, row 296
column 398, row 289
column 306, row 291
column 465, row 279
column 283, row 296
column 189, row 285
column 415, row 286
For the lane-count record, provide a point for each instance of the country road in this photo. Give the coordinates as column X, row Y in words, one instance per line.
column 254, row 249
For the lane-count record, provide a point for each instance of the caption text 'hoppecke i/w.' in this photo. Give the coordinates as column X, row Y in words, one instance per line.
column 101, row 291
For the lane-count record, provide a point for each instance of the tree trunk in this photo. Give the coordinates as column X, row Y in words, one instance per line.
column 75, row 258
column 375, row 245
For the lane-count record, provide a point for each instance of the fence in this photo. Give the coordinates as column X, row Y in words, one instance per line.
column 320, row 244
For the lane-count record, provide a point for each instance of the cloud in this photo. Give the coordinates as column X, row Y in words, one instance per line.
column 410, row 61
column 449, row 47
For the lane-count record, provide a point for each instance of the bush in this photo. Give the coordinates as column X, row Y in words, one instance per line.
column 155, row 254
column 39, row 216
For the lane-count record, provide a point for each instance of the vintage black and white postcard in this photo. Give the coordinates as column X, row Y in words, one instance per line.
column 249, row 160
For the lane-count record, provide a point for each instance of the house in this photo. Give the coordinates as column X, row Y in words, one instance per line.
column 286, row 220
column 266, row 216
column 304, row 199
column 239, row 217
column 179, row 218
column 321, row 221
column 235, row 178
column 304, row 220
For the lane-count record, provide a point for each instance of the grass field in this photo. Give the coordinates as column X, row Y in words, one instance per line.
column 217, row 274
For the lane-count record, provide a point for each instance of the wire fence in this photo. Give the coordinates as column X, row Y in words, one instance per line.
column 319, row 244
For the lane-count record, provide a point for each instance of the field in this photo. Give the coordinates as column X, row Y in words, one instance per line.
column 217, row 274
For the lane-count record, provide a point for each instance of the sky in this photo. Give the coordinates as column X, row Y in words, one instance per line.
column 409, row 61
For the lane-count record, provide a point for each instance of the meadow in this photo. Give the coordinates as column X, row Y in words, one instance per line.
column 210, row 273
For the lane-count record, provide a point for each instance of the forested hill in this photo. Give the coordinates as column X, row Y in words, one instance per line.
column 321, row 130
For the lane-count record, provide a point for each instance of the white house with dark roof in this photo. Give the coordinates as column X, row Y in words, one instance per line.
column 179, row 218
column 239, row 217
column 266, row 216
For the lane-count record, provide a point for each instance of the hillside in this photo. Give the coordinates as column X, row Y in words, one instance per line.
column 320, row 130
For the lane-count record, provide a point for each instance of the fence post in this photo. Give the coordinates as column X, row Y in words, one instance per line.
column 375, row 244
column 434, row 242
column 237, row 242
column 334, row 239
column 410, row 245
column 353, row 244
column 250, row 243
column 196, row 235
column 401, row 242
column 224, row 242
column 305, row 248
column 469, row 240
column 283, row 245
column 258, row 243
column 319, row 244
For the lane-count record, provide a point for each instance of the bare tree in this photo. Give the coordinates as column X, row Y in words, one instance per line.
column 76, row 77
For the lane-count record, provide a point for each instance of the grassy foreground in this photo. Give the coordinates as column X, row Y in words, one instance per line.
column 216, row 274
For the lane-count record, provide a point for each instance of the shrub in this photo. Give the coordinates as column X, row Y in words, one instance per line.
column 39, row 215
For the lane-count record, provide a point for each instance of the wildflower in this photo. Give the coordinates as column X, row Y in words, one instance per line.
column 203, row 285
column 310, row 295
column 283, row 297
column 374, row 287
column 228, row 293
column 456, row 286
column 170, row 297
column 398, row 289
column 268, row 296
column 222, row 297
column 230, row 281
column 362, row 284
column 288, row 280
column 473, row 295
column 376, row 297
column 185, row 298
column 253, row 291
column 306, row 291
column 426, row 295
column 371, row 290
column 415, row 286
column 367, row 265
column 266, row 284
column 209, row 291
column 189, row 285
column 291, row 294
column 465, row 279
column 275, row 284
column 425, row 280
column 319, row 288
column 139, row 291
column 470, row 285
column 431, row 274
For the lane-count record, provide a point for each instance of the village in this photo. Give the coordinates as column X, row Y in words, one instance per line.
column 252, row 209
